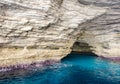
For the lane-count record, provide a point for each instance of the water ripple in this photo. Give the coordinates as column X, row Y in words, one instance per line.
column 74, row 69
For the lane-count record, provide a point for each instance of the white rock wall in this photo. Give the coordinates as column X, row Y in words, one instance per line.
column 38, row 30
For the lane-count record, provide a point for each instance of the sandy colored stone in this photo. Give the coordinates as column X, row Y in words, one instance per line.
column 39, row 30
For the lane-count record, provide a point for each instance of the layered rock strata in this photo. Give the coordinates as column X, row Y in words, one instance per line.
column 38, row 30
column 102, row 34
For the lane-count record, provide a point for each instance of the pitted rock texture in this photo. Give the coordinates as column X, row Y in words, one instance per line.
column 102, row 34
column 38, row 30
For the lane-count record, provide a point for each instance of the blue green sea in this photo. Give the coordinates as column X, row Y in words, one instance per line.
column 74, row 69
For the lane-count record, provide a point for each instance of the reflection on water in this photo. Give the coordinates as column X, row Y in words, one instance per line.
column 74, row 69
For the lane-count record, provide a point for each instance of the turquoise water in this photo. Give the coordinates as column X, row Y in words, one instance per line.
column 74, row 69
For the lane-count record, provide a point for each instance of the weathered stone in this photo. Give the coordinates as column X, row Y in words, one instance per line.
column 27, row 28
column 103, row 33
column 38, row 30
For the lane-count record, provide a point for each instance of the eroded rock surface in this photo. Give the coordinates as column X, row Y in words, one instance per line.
column 38, row 30
column 103, row 33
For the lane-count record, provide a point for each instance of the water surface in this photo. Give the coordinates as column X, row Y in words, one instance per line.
column 74, row 69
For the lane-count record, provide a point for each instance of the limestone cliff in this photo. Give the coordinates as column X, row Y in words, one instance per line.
column 39, row 30
column 102, row 34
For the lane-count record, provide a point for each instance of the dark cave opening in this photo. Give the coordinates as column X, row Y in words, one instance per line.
column 81, row 47
column 77, row 55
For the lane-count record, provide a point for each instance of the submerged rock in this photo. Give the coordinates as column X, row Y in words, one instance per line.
column 39, row 30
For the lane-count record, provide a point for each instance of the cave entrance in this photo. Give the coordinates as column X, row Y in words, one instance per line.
column 77, row 56
column 80, row 49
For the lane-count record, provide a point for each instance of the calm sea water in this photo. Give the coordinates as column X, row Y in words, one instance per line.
column 74, row 69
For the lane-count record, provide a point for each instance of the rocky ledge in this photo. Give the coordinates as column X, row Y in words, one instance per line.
column 38, row 30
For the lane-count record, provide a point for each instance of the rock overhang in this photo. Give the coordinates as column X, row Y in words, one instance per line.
column 46, row 30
